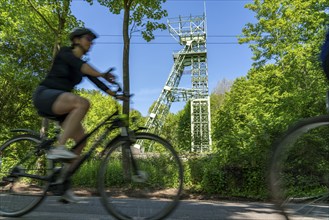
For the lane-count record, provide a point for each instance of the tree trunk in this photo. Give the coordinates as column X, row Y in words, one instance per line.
column 125, row 63
column 126, row 88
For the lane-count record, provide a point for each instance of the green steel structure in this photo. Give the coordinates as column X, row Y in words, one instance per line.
column 190, row 32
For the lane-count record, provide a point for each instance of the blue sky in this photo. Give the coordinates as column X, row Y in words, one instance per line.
column 151, row 63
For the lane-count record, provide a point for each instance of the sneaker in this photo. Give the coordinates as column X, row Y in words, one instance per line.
column 69, row 197
column 60, row 152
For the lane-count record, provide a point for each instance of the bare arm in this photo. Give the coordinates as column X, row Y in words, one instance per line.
column 88, row 70
column 101, row 85
column 92, row 74
column 111, row 93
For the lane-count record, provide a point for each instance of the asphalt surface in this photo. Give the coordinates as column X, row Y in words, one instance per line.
column 92, row 209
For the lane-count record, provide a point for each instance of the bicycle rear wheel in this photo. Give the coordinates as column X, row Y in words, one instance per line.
column 299, row 171
column 20, row 157
column 151, row 193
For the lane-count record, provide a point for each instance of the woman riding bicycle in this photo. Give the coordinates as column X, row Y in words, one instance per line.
column 54, row 97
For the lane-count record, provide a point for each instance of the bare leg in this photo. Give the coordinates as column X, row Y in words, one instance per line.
column 76, row 107
column 78, row 135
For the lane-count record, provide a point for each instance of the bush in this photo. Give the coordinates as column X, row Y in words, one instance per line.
column 87, row 175
column 202, row 174
column 194, row 170
column 209, row 175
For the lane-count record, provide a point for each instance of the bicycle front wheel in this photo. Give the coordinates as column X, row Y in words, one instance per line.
column 299, row 172
column 21, row 163
column 146, row 183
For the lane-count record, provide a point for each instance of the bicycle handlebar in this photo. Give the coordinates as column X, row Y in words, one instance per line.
column 118, row 85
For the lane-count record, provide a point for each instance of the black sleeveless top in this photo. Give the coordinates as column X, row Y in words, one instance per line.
column 66, row 73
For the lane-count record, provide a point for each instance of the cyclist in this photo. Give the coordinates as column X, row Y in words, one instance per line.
column 54, row 97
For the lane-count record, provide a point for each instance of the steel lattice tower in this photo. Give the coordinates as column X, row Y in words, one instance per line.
column 190, row 32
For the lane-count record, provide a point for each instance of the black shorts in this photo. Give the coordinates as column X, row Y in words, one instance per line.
column 43, row 100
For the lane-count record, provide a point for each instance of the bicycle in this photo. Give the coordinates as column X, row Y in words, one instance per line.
column 299, row 170
column 131, row 184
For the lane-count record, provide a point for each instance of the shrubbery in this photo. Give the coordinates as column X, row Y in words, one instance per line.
column 202, row 175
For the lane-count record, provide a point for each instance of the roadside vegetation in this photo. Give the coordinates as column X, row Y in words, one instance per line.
column 248, row 114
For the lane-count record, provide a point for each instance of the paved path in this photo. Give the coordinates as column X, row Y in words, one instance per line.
column 91, row 209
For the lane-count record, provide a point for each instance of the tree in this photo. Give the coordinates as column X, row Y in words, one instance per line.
column 285, row 84
column 26, row 54
column 218, row 94
column 138, row 16
column 177, row 129
column 285, row 26
column 24, row 59
column 57, row 17
column 288, row 35
column 184, row 128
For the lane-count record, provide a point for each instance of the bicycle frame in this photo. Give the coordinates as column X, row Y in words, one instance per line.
column 115, row 121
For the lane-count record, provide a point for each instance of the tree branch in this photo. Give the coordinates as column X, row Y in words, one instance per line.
column 42, row 17
column 129, row 2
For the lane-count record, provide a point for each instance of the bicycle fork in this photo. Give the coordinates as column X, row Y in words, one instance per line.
column 138, row 175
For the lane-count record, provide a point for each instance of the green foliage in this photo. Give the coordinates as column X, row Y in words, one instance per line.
column 170, row 128
column 218, row 94
column 285, row 84
column 285, row 26
column 184, row 129
column 204, row 175
column 194, row 171
column 177, row 129
column 103, row 106
column 143, row 15
column 26, row 56
column 306, row 165
column 138, row 15
column 209, row 175
column 272, row 96
column 87, row 175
